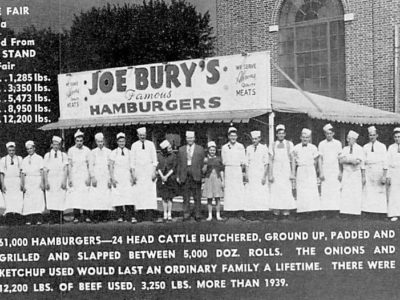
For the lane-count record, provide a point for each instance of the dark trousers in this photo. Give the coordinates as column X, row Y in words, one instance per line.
column 128, row 214
column 191, row 188
column 14, row 219
column 34, row 218
column 81, row 216
column 56, row 216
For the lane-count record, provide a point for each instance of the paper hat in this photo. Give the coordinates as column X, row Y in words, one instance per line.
column 141, row 130
column 29, row 143
column 306, row 132
column 165, row 144
column 280, row 127
column 211, row 144
column 232, row 129
column 190, row 134
column 328, row 127
column 99, row 136
column 120, row 135
column 10, row 144
column 78, row 133
column 352, row 134
column 397, row 129
column 255, row 134
column 371, row 129
column 56, row 139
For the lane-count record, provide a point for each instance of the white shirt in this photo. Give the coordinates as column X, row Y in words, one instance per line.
column 329, row 151
column 305, row 155
column 257, row 155
column 189, row 153
column 146, row 156
column 78, row 155
column 32, row 164
column 5, row 165
column 233, row 154
column 378, row 156
column 357, row 153
column 50, row 159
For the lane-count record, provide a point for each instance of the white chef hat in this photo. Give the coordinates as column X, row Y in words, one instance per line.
column 141, row 130
column 306, row 132
column 29, row 143
column 232, row 129
column 78, row 133
column 120, row 135
column 10, row 144
column 397, row 129
column 255, row 133
column 371, row 129
column 352, row 134
column 190, row 134
column 280, row 127
column 99, row 136
column 56, row 139
column 211, row 144
column 165, row 144
column 327, row 127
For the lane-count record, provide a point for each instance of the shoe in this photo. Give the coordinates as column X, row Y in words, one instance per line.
column 28, row 223
column 394, row 219
column 221, row 219
column 209, row 219
column 39, row 223
column 76, row 221
column 87, row 220
column 133, row 221
column 120, row 220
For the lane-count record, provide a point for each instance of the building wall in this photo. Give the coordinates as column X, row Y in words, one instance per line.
column 369, row 38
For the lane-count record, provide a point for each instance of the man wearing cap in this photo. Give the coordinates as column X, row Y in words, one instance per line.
column 374, row 196
column 78, row 177
column 257, row 164
column 393, row 177
column 32, row 182
column 99, row 199
column 329, row 150
column 10, row 175
column 122, row 181
column 55, row 176
column 281, row 178
column 143, row 164
column 307, row 165
column 234, row 159
column 189, row 174
column 352, row 160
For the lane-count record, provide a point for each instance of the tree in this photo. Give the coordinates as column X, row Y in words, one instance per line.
column 114, row 36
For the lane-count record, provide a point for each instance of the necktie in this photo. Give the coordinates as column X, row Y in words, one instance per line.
column 351, row 149
column 55, row 154
column 372, row 147
column 304, row 145
column 255, row 148
column 398, row 148
column 143, row 145
column 189, row 153
column 30, row 159
column 12, row 160
column 122, row 152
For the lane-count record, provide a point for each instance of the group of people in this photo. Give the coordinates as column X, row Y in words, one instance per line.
column 281, row 178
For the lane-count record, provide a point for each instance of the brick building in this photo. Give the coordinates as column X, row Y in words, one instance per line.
column 339, row 48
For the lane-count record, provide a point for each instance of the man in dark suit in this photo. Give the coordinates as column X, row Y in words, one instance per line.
column 190, row 163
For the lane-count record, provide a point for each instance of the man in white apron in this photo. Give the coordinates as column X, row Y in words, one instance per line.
column 143, row 164
column 329, row 150
column 99, row 200
column 122, row 197
column 55, row 176
column 33, row 185
column 374, row 196
column 307, row 165
column 393, row 177
column 10, row 174
column 78, row 178
column 257, row 165
column 234, row 159
column 353, row 178
column 281, row 175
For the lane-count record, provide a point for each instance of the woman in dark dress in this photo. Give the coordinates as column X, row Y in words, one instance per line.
column 166, row 178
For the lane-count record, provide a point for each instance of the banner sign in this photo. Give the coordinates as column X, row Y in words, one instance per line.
column 226, row 83
column 235, row 260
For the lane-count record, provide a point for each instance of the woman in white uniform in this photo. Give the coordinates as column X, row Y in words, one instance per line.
column 122, row 181
column 32, row 185
column 307, row 164
column 234, row 158
column 257, row 165
column 55, row 175
column 393, row 177
column 10, row 174
column 281, row 178
column 78, row 177
column 353, row 178
column 100, row 200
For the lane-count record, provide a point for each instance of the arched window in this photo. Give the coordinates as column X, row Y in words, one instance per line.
column 311, row 46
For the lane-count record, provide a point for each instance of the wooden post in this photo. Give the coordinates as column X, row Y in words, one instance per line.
column 271, row 126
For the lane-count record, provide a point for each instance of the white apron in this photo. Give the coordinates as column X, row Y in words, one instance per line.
column 100, row 196
column 55, row 196
column 122, row 194
column 79, row 192
column 351, row 194
column 394, row 188
column 256, row 192
column 374, row 193
column 306, row 179
column 13, row 197
column 33, row 196
column 281, row 188
column 144, row 190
